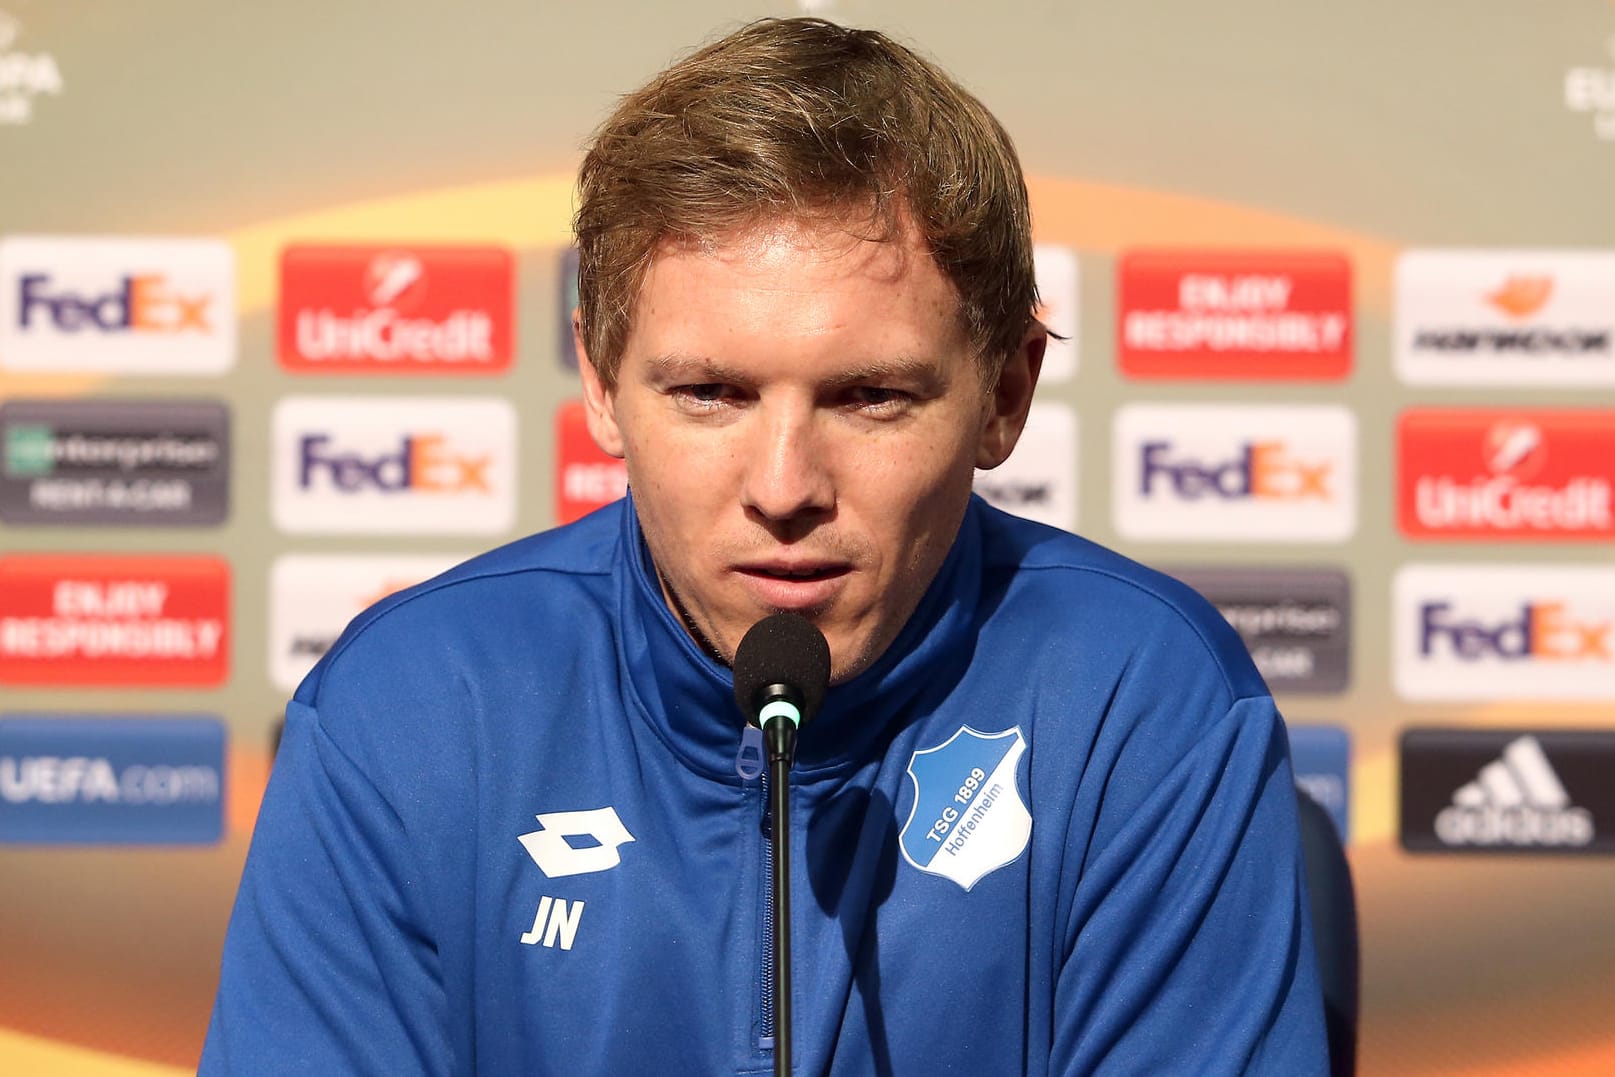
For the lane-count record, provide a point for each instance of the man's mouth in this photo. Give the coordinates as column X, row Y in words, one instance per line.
column 796, row 572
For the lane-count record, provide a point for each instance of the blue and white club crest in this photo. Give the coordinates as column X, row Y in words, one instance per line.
column 968, row 817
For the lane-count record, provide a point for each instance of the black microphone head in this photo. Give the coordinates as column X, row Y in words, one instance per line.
column 787, row 649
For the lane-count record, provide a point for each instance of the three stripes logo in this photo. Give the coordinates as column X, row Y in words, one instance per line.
column 1506, row 791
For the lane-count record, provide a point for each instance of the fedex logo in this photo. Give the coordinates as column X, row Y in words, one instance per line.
column 420, row 462
column 161, row 306
column 1505, row 632
column 148, row 303
column 1260, row 469
column 1542, row 630
column 394, row 464
column 1235, row 473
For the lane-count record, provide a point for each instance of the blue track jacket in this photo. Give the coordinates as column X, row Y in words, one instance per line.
column 1051, row 831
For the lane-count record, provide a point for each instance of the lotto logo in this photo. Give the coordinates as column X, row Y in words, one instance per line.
column 586, row 479
column 1259, row 315
column 1477, row 632
column 394, row 464
column 105, row 305
column 1506, row 475
column 1235, row 473
column 1505, row 317
column 396, row 310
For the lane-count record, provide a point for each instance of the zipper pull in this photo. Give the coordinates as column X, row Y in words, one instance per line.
column 749, row 761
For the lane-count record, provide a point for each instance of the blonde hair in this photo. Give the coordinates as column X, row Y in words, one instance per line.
column 804, row 118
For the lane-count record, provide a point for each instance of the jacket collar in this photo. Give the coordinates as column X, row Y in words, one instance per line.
column 687, row 697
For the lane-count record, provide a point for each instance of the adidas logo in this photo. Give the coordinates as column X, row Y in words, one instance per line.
column 1517, row 801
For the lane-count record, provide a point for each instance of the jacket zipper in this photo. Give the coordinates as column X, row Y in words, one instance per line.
column 749, row 764
column 766, row 1034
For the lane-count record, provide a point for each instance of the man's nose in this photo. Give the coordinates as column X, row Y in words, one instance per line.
column 786, row 475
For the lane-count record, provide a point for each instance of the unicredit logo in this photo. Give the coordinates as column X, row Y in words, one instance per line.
column 1261, row 470
column 1492, row 474
column 421, row 310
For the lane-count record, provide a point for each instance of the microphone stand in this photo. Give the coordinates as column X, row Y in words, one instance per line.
column 779, row 733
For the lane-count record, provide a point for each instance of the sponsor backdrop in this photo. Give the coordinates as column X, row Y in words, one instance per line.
column 283, row 297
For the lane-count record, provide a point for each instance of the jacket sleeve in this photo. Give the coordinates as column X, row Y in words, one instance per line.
column 328, row 964
column 1189, row 946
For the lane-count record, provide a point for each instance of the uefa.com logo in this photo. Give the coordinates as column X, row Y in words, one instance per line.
column 1234, row 472
column 1477, row 632
column 1505, row 317
column 1507, row 791
column 110, row 305
column 1506, row 475
column 396, row 310
column 111, row 779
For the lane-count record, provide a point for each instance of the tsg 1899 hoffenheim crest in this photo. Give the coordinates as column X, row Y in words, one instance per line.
column 968, row 818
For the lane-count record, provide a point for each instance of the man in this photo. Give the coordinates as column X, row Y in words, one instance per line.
column 1044, row 822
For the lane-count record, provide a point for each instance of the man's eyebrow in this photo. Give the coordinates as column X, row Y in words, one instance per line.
column 692, row 368
column 699, row 369
column 903, row 368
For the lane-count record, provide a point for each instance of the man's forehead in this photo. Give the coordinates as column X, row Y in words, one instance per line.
column 849, row 233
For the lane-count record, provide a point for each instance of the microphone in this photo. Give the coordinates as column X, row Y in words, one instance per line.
column 782, row 670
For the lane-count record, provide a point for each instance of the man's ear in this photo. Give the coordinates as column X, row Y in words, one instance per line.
column 1012, row 398
column 599, row 402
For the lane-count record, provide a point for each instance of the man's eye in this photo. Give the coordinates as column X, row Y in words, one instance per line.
column 878, row 399
column 707, row 393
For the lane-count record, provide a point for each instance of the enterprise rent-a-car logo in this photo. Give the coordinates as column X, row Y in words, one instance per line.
column 154, row 462
column 111, row 779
